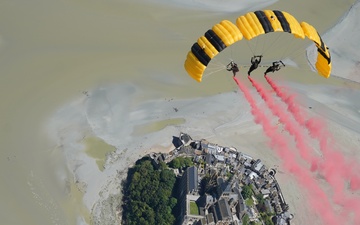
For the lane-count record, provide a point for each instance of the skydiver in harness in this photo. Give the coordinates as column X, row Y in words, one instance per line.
column 232, row 66
column 255, row 61
column 276, row 66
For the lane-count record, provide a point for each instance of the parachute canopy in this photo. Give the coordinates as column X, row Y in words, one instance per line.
column 251, row 25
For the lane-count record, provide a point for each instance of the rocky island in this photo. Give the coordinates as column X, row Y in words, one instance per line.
column 220, row 186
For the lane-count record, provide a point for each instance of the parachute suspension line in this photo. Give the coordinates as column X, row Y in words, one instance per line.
column 215, row 70
column 272, row 43
column 216, row 66
column 299, row 57
column 235, row 53
column 295, row 55
column 231, row 57
column 286, row 48
column 256, row 45
column 300, row 50
column 297, row 51
column 252, row 51
column 263, row 47
column 302, row 63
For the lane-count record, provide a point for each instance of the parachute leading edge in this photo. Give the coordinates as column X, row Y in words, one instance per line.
column 251, row 25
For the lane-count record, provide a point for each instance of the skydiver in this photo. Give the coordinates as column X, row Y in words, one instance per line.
column 232, row 66
column 276, row 66
column 255, row 61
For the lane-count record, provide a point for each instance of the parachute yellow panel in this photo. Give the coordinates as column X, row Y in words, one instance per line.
column 194, row 67
column 295, row 27
column 209, row 45
column 274, row 22
column 209, row 49
column 256, row 23
column 251, row 25
column 323, row 65
column 323, row 62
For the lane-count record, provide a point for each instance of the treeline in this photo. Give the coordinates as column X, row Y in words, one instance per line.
column 148, row 195
column 181, row 162
column 266, row 216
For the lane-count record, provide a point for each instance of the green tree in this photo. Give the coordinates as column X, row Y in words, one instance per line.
column 246, row 192
column 180, row 162
column 268, row 221
column 261, row 203
column 148, row 195
column 266, row 218
column 175, row 163
column 172, row 202
column 188, row 162
column 260, row 199
column 245, row 219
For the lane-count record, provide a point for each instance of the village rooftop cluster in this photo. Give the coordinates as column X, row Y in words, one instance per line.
column 230, row 171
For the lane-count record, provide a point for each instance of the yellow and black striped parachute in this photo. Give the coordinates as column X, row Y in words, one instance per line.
column 251, row 25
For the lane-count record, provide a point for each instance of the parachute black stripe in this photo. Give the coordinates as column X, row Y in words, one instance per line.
column 284, row 23
column 215, row 40
column 200, row 54
column 328, row 58
column 322, row 43
column 264, row 21
column 322, row 50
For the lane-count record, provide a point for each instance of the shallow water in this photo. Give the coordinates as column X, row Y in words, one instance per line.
column 97, row 149
column 52, row 52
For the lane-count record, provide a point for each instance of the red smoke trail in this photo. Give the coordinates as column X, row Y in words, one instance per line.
column 318, row 130
column 317, row 198
column 289, row 100
column 293, row 128
column 334, row 167
column 336, row 170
